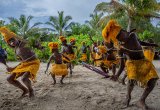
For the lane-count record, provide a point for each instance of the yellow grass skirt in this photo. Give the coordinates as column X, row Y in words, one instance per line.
column 30, row 66
column 141, row 71
column 98, row 62
column 94, row 55
column 83, row 57
column 59, row 69
column 149, row 54
column 70, row 56
column 109, row 63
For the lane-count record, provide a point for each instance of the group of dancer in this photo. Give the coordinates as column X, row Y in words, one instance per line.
column 119, row 48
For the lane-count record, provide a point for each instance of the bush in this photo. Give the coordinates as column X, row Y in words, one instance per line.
column 146, row 35
column 44, row 54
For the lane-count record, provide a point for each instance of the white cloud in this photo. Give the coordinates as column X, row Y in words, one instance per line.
column 78, row 9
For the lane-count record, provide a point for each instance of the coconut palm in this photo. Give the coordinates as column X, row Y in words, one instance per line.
column 94, row 23
column 23, row 25
column 131, row 9
column 75, row 29
column 59, row 23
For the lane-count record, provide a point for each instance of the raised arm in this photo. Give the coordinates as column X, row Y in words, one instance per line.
column 148, row 44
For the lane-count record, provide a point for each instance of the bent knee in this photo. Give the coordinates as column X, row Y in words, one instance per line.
column 10, row 79
column 24, row 79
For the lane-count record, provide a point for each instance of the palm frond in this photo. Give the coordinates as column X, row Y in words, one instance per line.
column 14, row 21
column 22, row 20
column 69, row 26
column 53, row 19
column 36, row 24
column 103, row 7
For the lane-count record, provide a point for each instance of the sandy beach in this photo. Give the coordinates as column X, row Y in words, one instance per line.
column 85, row 90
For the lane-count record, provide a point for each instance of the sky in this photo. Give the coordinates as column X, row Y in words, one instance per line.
column 42, row 9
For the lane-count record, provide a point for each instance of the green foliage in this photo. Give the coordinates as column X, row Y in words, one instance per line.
column 94, row 23
column 10, row 52
column 22, row 26
column 146, row 35
column 44, row 54
column 59, row 23
column 75, row 29
column 133, row 10
column 84, row 29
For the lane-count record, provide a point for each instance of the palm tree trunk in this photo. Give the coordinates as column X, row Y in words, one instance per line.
column 129, row 24
column 60, row 33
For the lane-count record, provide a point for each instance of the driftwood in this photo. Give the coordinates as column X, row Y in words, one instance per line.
column 95, row 70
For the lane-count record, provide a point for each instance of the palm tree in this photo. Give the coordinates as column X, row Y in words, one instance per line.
column 131, row 8
column 59, row 23
column 22, row 25
column 75, row 29
column 94, row 23
column 2, row 23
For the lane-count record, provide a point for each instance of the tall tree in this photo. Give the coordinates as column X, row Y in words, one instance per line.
column 95, row 18
column 59, row 23
column 22, row 25
column 75, row 29
column 94, row 23
column 131, row 8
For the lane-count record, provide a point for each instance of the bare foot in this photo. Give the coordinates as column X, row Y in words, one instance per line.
column 25, row 92
column 142, row 105
column 54, row 83
column 114, row 78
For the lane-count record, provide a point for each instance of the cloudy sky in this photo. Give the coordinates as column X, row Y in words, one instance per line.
column 42, row 9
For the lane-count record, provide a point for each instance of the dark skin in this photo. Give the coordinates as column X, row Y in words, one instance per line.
column 128, row 41
column 57, row 57
column 110, row 57
column 145, row 47
column 94, row 46
column 73, row 46
column 25, row 54
column 68, row 50
column 84, row 48
column 93, row 49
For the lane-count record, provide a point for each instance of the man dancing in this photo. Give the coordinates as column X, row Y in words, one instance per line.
column 28, row 67
column 58, row 68
column 67, row 50
column 138, row 68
